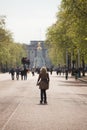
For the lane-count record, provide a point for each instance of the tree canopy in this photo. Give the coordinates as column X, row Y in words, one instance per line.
column 10, row 51
column 69, row 33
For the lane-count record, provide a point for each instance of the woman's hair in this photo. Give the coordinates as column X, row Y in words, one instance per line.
column 43, row 70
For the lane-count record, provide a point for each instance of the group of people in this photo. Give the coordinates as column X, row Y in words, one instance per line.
column 43, row 78
column 19, row 72
column 42, row 81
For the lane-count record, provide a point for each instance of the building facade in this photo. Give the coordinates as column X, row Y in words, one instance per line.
column 38, row 54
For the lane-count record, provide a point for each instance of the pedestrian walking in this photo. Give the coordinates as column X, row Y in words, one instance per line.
column 33, row 71
column 17, row 73
column 12, row 72
column 22, row 73
column 43, row 82
column 51, row 70
column 66, row 74
column 25, row 73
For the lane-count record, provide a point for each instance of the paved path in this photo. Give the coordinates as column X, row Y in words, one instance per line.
column 20, row 109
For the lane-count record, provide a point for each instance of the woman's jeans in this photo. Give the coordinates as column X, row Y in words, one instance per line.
column 43, row 95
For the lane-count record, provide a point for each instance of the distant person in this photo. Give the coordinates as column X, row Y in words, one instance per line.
column 43, row 82
column 12, row 72
column 33, row 71
column 17, row 73
column 25, row 73
column 22, row 73
column 66, row 74
column 51, row 70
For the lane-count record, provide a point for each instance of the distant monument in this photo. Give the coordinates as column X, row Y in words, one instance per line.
column 39, row 60
column 37, row 53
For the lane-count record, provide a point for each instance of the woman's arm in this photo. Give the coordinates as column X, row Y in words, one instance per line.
column 39, row 77
column 48, row 77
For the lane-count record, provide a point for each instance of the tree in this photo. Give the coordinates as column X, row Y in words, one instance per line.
column 69, row 32
column 10, row 51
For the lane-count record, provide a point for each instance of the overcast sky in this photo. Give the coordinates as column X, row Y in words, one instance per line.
column 29, row 19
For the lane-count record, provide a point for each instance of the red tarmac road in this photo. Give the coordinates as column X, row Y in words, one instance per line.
column 20, row 109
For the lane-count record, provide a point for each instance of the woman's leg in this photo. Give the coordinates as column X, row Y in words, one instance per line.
column 45, row 96
column 41, row 95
